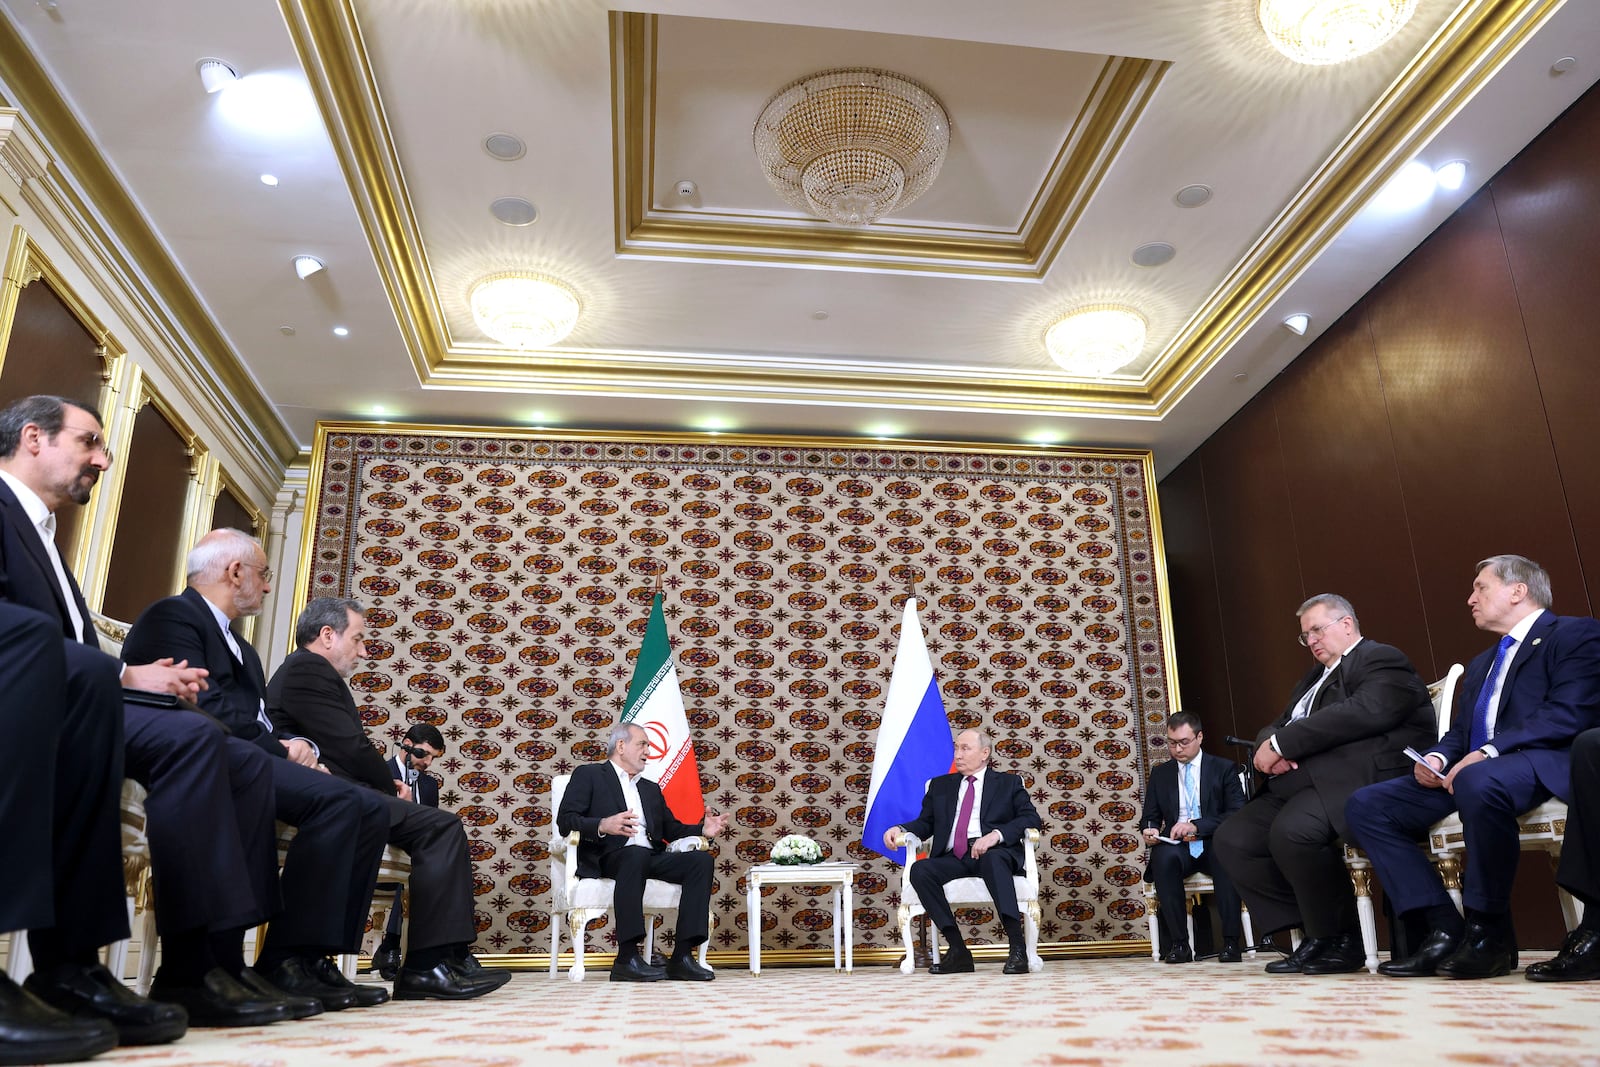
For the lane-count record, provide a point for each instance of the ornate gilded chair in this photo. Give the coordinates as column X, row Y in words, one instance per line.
column 972, row 892
column 1194, row 886
column 578, row 901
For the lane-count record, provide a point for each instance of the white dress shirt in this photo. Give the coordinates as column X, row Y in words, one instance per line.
column 44, row 524
column 630, row 796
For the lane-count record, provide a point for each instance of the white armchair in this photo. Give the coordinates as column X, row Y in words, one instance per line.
column 578, row 901
column 972, row 891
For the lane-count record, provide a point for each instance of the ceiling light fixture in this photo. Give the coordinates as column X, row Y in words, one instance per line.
column 269, row 179
column 306, row 266
column 1298, row 323
column 341, row 331
column 850, row 145
column 524, row 310
column 1096, row 341
column 1321, row 32
column 215, row 75
column 1410, row 188
column 1451, row 175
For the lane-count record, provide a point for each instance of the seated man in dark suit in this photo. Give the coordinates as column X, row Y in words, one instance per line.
column 625, row 827
column 1579, row 870
column 1186, row 799
column 1346, row 726
column 208, row 812
column 973, row 820
column 332, row 864
column 421, row 745
column 308, row 692
column 1523, row 700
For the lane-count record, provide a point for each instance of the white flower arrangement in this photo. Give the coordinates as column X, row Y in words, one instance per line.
column 796, row 849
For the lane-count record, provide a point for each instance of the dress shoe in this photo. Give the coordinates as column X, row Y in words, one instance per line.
column 1344, row 955
column 300, row 1007
column 439, row 983
column 1295, row 961
column 1178, row 953
column 31, row 1031
column 1484, row 952
column 386, row 962
column 298, row 975
column 1230, row 951
column 1578, row 960
column 957, row 960
column 92, row 992
column 686, row 968
column 367, row 996
column 471, row 970
column 631, row 968
column 1437, row 947
column 219, row 999
column 1016, row 960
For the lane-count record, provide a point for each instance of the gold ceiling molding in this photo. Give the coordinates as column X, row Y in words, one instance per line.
column 1120, row 94
column 110, row 219
column 1465, row 53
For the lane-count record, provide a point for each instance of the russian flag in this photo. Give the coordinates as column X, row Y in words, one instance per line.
column 913, row 739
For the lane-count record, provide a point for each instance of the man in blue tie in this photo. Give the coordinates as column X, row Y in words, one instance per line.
column 1524, row 700
column 1186, row 800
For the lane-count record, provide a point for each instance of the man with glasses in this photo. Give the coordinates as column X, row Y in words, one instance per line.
column 1347, row 725
column 1185, row 801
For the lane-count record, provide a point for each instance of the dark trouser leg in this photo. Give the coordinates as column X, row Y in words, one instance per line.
column 998, row 869
column 692, row 871
column 1579, row 872
column 1167, row 868
column 928, row 878
column 1490, row 796
column 396, row 920
column 1311, row 857
column 1225, row 897
column 87, row 861
column 441, row 874
column 628, row 867
column 1243, row 849
column 1387, row 820
column 32, row 672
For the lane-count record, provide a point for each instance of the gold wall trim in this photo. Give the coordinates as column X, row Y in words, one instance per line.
column 59, row 127
column 1118, row 98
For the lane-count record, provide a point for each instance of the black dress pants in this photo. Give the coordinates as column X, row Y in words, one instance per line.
column 631, row 865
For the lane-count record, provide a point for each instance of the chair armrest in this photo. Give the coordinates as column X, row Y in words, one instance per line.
column 912, row 844
column 1031, row 855
column 690, row 844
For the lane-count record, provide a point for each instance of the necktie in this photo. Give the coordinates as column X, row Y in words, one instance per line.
column 964, row 817
column 1195, row 846
column 1480, row 711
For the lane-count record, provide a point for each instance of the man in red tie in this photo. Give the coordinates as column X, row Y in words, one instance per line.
column 973, row 820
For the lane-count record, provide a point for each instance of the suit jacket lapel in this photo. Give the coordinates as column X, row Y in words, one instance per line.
column 17, row 519
column 1526, row 651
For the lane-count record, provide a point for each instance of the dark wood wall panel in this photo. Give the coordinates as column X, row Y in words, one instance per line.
column 229, row 512
column 145, row 553
column 1450, row 415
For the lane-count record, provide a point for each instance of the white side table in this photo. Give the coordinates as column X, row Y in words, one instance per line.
column 841, row 876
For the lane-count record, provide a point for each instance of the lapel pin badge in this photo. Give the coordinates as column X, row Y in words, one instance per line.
column 1536, row 640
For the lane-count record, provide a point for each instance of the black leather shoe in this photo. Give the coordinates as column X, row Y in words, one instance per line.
column 386, row 962
column 1230, row 951
column 956, row 960
column 1437, row 947
column 1578, row 960
column 631, row 968
column 92, row 992
column 440, row 983
column 298, row 975
column 1484, row 952
column 1344, row 955
column 31, row 1031
column 1016, row 960
column 1178, row 953
column 469, row 968
column 686, row 968
column 220, row 999
column 1295, row 961
column 300, row 1007
column 367, row 996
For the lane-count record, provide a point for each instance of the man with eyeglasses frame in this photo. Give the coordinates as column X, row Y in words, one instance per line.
column 1347, row 725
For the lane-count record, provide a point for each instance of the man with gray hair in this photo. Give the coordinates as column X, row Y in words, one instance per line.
column 1523, row 701
column 1346, row 725
column 624, row 827
column 308, row 692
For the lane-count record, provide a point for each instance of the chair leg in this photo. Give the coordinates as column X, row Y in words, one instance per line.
column 1152, row 911
column 1249, row 931
column 1361, row 880
column 1188, row 916
column 556, row 919
column 908, row 964
column 1032, row 915
column 20, row 963
column 147, row 951
column 580, row 922
column 650, row 939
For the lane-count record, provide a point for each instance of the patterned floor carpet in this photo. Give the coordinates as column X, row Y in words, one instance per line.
column 1080, row 1012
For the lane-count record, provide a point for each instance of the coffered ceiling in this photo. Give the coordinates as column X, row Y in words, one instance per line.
column 1074, row 124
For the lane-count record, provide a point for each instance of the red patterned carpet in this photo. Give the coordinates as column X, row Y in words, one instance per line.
column 1083, row 1012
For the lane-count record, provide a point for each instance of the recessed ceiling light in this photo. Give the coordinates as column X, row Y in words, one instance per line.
column 1451, row 175
column 819, row 315
column 1096, row 341
column 379, row 409
column 271, row 104
column 287, row 331
column 1193, row 195
column 1408, row 189
column 504, row 147
column 1043, row 437
column 269, row 179
column 306, row 266
column 340, row 331
column 1298, row 323
column 514, row 211
column 215, row 75
column 1564, row 64
column 1153, row 254
column 883, row 431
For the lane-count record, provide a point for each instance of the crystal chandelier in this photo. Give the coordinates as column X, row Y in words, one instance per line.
column 1093, row 342
column 524, row 310
column 851, row 145
column 1319, row 32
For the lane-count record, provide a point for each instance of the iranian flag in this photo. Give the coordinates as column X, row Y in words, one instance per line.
column 655, row 703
